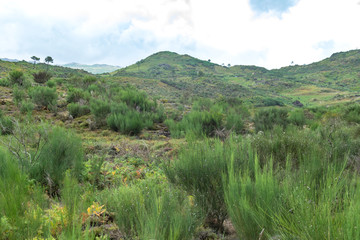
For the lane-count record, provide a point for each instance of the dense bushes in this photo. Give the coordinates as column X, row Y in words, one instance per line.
column 44, row 96
column 62, row 151
column 266, row 119
column 6, row 125
column 42, row 76
column 151, row 210
column 17, row 77
column 132, row 122
column 77, row 110
column 209, row 118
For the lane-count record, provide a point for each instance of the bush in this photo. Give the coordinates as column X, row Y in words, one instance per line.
column 199, row 169
column 51, row 83
column 159, row 212
column 17, row 77
column 88, row 80
column 129, row 123
column 77, row 110
column 100, row 109
column 76, row 94
column 6, row 124
column 42, row 76
column 18, row 95
column 26, row 107
column 44, row 96
column 297, row 117
column 62, row 151
column 267, row 118
column 20, row 212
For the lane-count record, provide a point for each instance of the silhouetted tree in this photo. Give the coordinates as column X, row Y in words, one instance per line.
column 35, row 59
column 49, row 59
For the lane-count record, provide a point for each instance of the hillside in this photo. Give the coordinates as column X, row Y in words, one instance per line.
column 95, row 68
column 29, row 68
column 173, row 76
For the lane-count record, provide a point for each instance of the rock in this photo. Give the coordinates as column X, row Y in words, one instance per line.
column 297, row 103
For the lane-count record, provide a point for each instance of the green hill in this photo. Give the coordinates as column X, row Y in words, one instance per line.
column 172, row 76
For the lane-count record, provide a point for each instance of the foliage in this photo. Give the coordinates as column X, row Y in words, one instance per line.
column 129, row 123
column 77, row 110
column 266, row 119
column 158, row 212
column 100, row 109
column 42, row 76
column 43, row 96
column 26, row 107
column 6, row 124
column 62, row 151
column 17, row 77
column 18, row 95
column 198, row 170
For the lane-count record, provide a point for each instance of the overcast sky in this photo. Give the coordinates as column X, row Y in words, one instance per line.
column 268, row 33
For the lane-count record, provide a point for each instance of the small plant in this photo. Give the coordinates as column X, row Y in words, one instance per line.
column 18, row 95
column 26, row 107
column 51, row 83
column 100, row 109
column 44, row 96
column 77, row 110
column 129, row 123
column 42, row 76
column 17, row 77
column 6, row 125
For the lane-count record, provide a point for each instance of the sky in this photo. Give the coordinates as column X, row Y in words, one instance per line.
column 267, row 33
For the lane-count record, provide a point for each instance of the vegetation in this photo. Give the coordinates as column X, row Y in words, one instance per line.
column 173, row 147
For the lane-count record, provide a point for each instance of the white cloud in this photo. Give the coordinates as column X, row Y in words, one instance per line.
column 121, row 32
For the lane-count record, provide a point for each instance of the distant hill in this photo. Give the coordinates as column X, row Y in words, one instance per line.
column 95, row 68
column 9, row 60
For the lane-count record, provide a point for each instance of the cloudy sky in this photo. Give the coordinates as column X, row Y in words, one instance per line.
column 268, row 33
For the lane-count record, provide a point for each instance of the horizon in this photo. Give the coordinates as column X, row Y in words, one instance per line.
column 270, row 34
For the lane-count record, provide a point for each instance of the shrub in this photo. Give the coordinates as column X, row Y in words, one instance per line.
column 17, row 77
column 100, row 109
column 42, row 76
column 76, row 94
column 51, row 83
column 26, row 107
column 129, row 123
column 44, row 96
column 18, row 95
column 77, row 110
column 297, row 117
column 159, row 212
column 234, row 122
column 352, row 113
column 267, row 118
column 62, row 151
column 20, row 202
column 6, row 124
column 88, row 80
column 4, row 82
column 198, row 169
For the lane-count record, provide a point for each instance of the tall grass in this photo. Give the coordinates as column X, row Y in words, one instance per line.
column 151, row 211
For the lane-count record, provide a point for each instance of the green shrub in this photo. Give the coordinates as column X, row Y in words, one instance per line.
column 17, row 77
column 234, row 122
column 42, row 76
column 266, row 119
column 297, row 117
column 76, row 94
column 43, row 96
column 62, row 151
column 100, row 109
column 198, row 169
column 352, row 113
column 6, row 124
column 20, row 203
column 88, row 80
column 26, row 107
column 51, row 83
column 18, row 95
column 151, row 210
column 4, row 82
column 77, row 110
column 129, row 123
